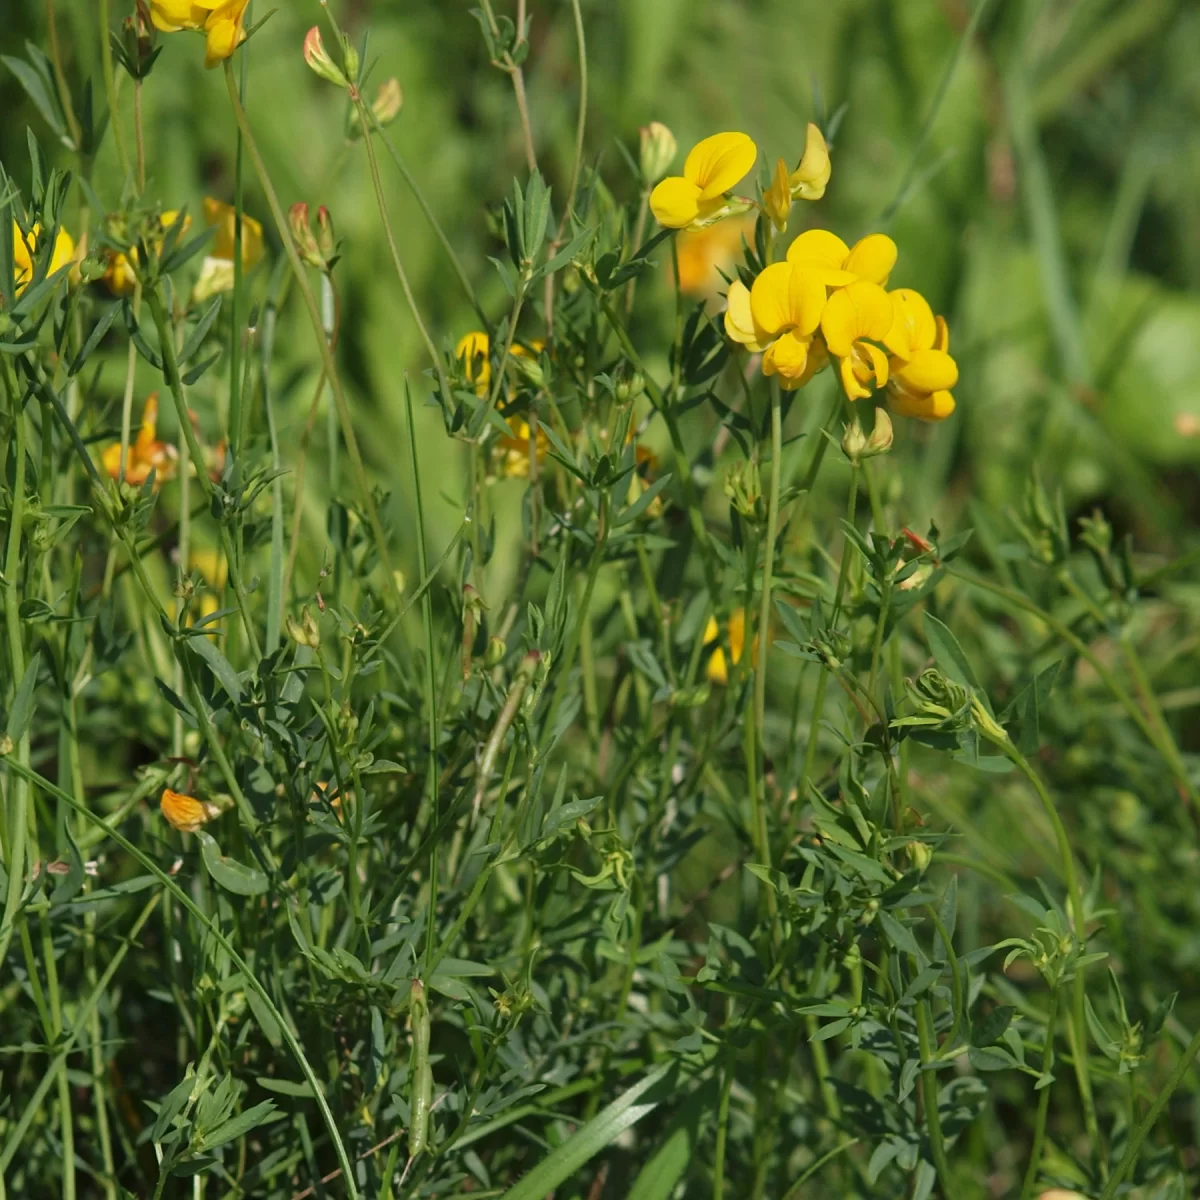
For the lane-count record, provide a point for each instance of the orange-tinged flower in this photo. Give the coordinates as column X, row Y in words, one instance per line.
column 707, row 255
column 870, row 259
column 24, row 248
column 857, row 320
column 919, row 383
column 121, row 275
column 712, row 168
column 778, row 317
column 145, row 454
column 186, row 813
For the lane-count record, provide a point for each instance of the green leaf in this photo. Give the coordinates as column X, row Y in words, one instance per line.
column 218, row 664
column 240, row 1125
column 21, row 712
column 285, row 1087
column 232, row 875
column 948, row 653
column 601, row 1131
column 658, row 1179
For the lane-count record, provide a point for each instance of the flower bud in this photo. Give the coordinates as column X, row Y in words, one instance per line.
column 319, row 61
column 350, row 59
column 326, row 240
column 305, row 631
column 858, row 445
column 302, row 235
column 777, row 199
column 656, row 152
column 854, row 441
column 496, row 650
column 919, row 854
column 389, row 99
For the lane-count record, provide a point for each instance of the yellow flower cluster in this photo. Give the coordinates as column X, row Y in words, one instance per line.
column 145, row 454
column 828, row 301
column 221, row 21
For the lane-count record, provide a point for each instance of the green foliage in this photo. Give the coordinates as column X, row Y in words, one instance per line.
column 525, row 768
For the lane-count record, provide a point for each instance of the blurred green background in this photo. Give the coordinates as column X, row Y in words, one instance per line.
column 1050, row 208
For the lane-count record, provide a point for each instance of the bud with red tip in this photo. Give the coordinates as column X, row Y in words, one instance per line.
column 318, row 59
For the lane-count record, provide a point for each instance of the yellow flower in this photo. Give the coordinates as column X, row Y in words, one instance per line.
column 806, row 182
column 221, row 21
column 857, row 319
column 224, row 217
column 824, row 253
column 778, row 316
column 809, row 179
column 146, row 453
column 121, row 274
column 777, row 199
column 514, row 449
column 186, row 813
column 735, row 629
column 704, row 254
column 919, row 384
column 696, row 197
column 24, row 248
column 216, row 272
column 472, row 352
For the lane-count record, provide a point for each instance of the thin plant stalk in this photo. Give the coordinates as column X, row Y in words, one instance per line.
column 430, row 681
column 1043, row 1108
column 110, row 86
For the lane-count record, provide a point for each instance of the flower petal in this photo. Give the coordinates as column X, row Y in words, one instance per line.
column 806, row 300
column 914, row 314
column 941, row 340
column 872, row 258
column 675, row 202
column 770, row 299
column 809, row 179
column 787, row 357
column 928, row 371
column 719, row 162
column 933, row 406
column 824, row 253
column 853, row 389
column 739, row 320
column 860, row 310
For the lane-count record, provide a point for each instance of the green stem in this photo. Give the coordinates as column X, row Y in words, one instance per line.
column 110, row 88
column 423, row 204
column 929, row 1096
column 18, row 799
column 764, row 610
column 430, row 682
column 1152, row 1114
column 722, row 1128
column 1043, row 1108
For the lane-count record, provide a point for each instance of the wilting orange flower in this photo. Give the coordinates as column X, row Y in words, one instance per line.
column 146, row 452
column 186, row 813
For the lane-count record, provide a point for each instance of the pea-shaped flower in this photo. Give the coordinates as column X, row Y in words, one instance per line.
column 919, row 384
column 24, row 248
column 858, row 323
column 871, row 258
column 778, row 317
column 221, row 21
column 698, row 196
